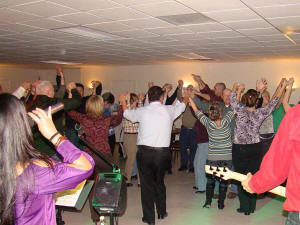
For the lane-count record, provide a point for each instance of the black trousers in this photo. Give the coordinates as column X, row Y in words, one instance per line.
column 152, row 166
column 247, row 158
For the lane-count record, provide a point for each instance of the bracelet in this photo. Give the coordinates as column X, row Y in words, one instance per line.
column 60, row 140
column 53, row 136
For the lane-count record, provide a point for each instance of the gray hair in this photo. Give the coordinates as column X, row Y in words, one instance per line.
column 41, row 86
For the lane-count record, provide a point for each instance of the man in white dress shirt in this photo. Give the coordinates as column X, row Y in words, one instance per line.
column 153, row 156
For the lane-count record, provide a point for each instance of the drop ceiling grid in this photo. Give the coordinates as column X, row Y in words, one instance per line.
column 28, row 24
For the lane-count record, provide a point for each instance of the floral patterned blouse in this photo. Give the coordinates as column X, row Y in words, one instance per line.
column 248, row 122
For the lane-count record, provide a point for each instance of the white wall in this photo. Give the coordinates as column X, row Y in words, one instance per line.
column 245, row 72
column 11, row 78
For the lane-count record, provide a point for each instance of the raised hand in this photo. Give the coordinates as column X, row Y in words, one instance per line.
column 26, row 85
column 197, row 78
column 180, row 84
column 235, row 87
column 241, row 88
column 141, row 96
column 44, row 122
column 261, row 85
column 71, row 86
column 290, row 82
column 59, row 71
column 150, row 84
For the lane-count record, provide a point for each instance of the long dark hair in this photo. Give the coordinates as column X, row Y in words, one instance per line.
column 16, row 147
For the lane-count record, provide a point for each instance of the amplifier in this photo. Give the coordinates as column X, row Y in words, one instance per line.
column 110, row 193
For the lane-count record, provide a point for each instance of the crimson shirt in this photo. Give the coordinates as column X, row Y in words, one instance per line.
column 282, row 161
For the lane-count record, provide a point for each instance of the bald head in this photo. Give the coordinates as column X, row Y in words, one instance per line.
column 226, row 96
column 219, row 88
column 45, row 88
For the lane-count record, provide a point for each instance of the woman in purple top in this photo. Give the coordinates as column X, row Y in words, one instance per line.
column 247, row 149
column 28, row 178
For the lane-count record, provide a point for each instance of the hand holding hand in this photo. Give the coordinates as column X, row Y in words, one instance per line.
column 197, row 78
column 59, row 71
column 241, row 88
column 141, row 96
column 235, row 87
column 180, row 84
column 71, row 86
column 150, row 84
column 26, row 85
column 290, row 82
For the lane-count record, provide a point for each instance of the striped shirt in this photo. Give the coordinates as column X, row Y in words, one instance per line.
column 220, row 144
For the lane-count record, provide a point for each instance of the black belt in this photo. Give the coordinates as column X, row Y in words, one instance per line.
column 153, row 148
column 129, row 133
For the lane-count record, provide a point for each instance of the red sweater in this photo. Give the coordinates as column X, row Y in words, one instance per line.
column 282, row 161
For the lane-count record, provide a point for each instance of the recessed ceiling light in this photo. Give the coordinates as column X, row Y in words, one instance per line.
column 60, row 62
column 192, row 56
column 87, row 32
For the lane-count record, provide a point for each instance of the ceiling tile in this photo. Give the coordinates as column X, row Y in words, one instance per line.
column 279, row 11
column 260, row 3
column 170, row 30
column 4, row 32
column 287, row 24
column 219, row 34
column 146, row 23
column 47, row 23
column 206, row 27
column 163, row 8
column 120, row 13
column 213, row 5
column 13, row 16
column 87, row 4
column 259, row 31
column 135, row 34
column 81, row 18
column 44, row 9
column 6, row 3
column 269, row 37
column 110, row 27
column 20, row 28
column 232, row 15
column 136, row 2
column 247, row 24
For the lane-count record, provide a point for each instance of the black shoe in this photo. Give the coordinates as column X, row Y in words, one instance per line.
column 239, row 210
column 191, row 170
column 194, row 187
column 134, row 177
column 200, row 192
column 182, row 168
column 129, row 184
column 149, row 222
column 207, row 205
column 160, row 217
column 221, row 205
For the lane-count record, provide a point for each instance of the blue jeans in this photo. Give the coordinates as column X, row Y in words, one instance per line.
column 187, row 140
column 199, row 166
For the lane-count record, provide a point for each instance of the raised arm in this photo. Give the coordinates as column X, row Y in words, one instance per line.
column 75, row 101
column 199, row 114
column 76, row 166
column 287, row 95
column 233, row 100
column 117, row 119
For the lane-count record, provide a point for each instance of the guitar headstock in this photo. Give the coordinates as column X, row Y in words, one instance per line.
column 222, row 172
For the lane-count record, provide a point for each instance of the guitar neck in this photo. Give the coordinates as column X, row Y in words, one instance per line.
column 280, row 190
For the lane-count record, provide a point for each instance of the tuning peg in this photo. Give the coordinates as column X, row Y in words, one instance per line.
column 224, row 169
column 218, row 168
column 221, row 175
column 214, row 173
column 210, row 167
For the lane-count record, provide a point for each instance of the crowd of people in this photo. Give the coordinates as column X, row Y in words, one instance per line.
column 221, row 127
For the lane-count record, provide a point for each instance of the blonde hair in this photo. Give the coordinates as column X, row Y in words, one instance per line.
column 94, row 106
